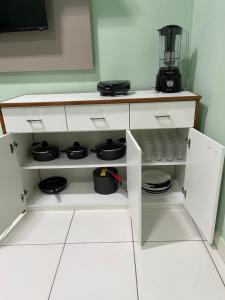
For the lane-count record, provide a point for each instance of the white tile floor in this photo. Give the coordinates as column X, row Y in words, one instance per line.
column 91, row 255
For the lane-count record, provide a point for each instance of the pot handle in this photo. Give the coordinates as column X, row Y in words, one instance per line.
column 117, row 177
column 122, row 140
column 56, row 190
column 44, row 144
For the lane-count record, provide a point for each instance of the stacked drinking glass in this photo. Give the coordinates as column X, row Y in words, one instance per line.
column 163, row 145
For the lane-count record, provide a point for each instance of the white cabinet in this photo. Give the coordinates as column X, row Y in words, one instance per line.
column 199, row 177
column 158, row 115
column 97, row 117
column 196, row 178
column 35, row 119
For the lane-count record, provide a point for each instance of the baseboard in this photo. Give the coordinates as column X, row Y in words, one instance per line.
column 220, row 245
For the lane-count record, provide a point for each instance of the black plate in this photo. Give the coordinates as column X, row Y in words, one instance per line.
column 158, row 185
column 156, row 192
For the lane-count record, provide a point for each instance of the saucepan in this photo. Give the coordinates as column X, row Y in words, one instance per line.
column 110, row 150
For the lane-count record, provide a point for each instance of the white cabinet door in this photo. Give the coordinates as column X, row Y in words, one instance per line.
column 134, row 154
column 205, row 159
column 11, row 203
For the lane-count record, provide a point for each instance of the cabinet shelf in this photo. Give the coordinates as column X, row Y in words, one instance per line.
column 77, row 195
column 164, row 162
column 63, row 162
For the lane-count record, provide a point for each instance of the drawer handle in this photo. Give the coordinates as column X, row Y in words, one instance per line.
column 34, row 120
column 162, row 116
column 97, row 118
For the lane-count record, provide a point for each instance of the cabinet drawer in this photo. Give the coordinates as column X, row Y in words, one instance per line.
column 97, row 117
column 35, row 119
column 162, row 115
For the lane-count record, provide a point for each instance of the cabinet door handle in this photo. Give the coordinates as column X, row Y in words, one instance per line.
column 162, row 116
column 34, row 120
column 97, row 118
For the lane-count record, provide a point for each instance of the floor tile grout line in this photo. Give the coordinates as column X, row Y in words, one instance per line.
column 60, row 258
column 135, row 265
column 71, row 221
column 101, row 242
column 68, row 243
column 205, row 241
column 213, row 262
column 169, row 241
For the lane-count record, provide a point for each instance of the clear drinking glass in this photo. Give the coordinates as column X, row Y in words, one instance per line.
column 159, row 148
column 148, row 151
column 148, row 148
column 170, row 149
column 180, row 148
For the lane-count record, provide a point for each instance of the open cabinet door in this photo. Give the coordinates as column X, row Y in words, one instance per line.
column 11, row 188
column 134, row 156
column 203, row 175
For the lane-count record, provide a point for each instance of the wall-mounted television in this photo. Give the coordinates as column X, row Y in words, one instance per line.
column 22, row 15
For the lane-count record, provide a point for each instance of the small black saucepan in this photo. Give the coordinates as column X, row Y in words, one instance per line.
column 53, row 185
column 110, row 150
column 44, row 152
column 76, row 151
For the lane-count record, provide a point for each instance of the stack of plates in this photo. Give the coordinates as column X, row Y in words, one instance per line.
column 156, row 182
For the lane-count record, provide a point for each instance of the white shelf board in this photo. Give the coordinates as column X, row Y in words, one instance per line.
column 77, row 195
column 63, row 162
column 172, row 197
column 164, row 162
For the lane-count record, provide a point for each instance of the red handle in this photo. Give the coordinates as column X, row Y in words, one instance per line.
column 116, row 176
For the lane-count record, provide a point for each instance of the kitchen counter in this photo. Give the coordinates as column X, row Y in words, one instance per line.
column 95, row 98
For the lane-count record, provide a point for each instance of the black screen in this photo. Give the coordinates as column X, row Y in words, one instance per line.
column 21, row 15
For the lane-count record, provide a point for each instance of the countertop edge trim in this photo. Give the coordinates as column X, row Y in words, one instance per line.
column 110, row 101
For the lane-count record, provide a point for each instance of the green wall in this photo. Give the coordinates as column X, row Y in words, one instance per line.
column 125, row 45
column 208, row 75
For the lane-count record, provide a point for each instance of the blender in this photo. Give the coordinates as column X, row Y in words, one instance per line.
column 169, row 79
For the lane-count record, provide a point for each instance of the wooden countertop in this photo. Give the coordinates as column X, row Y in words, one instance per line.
column 95, row 98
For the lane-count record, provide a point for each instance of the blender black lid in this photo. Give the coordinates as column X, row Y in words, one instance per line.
column 175, row 29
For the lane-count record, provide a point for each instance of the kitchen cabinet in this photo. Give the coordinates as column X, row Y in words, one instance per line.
column 196, row 178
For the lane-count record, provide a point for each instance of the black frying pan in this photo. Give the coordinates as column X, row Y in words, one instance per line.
column 53, row 185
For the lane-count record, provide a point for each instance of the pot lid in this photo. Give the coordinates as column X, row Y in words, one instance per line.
column 76, row 147
column 110, row 145
column 43, row 147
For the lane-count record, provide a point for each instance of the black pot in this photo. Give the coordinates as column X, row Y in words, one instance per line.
column 53, row 185
column 106, row 184
column 44, row 152
column 77, row 151
column 110, row 150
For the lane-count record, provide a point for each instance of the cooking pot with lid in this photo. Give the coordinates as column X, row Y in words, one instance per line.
column 44, row 152
column 110, row 150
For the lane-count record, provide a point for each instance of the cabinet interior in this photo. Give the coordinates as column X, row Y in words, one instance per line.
column 80, row 190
